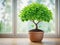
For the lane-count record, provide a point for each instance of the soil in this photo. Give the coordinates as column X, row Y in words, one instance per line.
column 36, row 30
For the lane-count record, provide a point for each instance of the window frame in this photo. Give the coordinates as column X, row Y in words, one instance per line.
column 58, row 18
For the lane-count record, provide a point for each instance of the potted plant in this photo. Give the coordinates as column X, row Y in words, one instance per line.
column 36, row 13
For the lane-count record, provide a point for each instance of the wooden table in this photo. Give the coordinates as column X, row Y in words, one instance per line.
column 26, row 41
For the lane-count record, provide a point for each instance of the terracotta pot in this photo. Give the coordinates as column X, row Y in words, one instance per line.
column 36, row 36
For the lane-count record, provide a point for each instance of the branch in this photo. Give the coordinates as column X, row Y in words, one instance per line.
column 34, row 22
column 38, row 22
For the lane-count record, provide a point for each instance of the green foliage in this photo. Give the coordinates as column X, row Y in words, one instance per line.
column 1, row 25
column 36, row 11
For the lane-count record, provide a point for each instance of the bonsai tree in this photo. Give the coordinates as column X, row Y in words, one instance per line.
column 36, row 12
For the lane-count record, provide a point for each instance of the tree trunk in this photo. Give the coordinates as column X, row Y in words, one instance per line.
column 36, row 26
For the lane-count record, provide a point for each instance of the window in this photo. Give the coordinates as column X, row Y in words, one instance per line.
column 10, row 23
column 5, row 17
column 24, row 27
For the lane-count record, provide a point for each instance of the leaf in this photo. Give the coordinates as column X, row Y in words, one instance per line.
column 36, row 11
